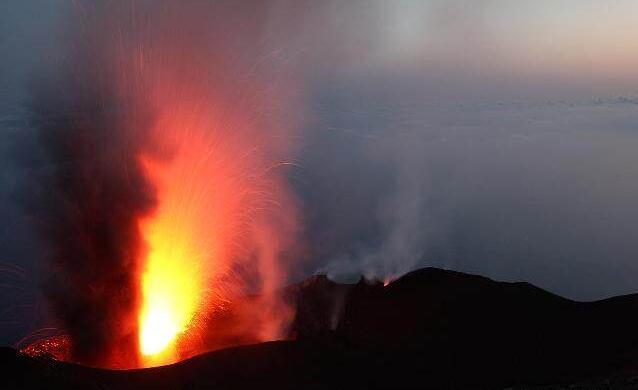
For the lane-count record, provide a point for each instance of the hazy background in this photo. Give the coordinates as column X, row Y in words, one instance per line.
column 492, row 137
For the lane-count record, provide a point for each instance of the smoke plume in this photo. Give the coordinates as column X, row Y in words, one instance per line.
column 92, row 129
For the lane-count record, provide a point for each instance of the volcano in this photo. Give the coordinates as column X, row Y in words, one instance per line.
column 429, row 328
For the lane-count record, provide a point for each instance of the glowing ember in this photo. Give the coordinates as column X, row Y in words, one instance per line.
column 57, row 347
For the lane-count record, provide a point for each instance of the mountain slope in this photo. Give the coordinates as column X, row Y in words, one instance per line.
column 430, row 328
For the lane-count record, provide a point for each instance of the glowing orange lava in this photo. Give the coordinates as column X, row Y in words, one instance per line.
column 173, row 281
column 171, row 285
column 203, row 195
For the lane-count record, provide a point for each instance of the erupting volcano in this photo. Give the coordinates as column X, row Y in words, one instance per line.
column 287, row 194
column 169, row 152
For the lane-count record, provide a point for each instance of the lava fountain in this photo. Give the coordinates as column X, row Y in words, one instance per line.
column 220, row 150
column 171, row 282
column 217, row 194
column 193, row 116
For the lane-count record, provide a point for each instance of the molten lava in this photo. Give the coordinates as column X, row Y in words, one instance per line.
column 172, row 281
column 171, row 288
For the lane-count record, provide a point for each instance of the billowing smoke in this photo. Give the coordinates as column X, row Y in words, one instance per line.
column 92, row 128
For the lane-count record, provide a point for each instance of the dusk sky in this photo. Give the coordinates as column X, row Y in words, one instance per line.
column 492, row 137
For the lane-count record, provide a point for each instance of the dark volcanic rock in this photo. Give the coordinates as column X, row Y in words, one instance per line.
column 319, row 306
column 429, row 329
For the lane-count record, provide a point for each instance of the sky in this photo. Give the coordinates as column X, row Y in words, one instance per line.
column 491, row 137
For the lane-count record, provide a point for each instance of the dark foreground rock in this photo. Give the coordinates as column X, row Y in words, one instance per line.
column 429, row 329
